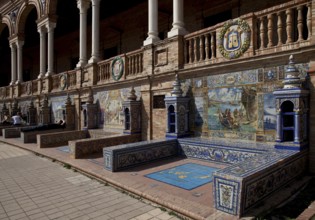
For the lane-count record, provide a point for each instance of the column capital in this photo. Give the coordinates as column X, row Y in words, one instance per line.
column 83, row 5
column 41, row 29
column 12, row 45
column 50, row 26
column 19, row 43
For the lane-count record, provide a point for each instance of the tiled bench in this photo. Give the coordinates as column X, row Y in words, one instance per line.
column 83, row 147
column 3, row 127
column 30, row 136
column 256, row 170
column 59, row 138
column 129, row 155
column 12, row 132
column 240, row 187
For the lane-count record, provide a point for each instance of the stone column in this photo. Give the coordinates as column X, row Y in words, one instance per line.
column 178, row 19
column 153, row 23
column 95, row 56
column 42, row 34
column 19, row 45
column 83, row 5
column 13, row 63
column 50, row 27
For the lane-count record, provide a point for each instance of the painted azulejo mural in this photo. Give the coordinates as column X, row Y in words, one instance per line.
column 269, row 112
column 110, row 106
column 232, row 108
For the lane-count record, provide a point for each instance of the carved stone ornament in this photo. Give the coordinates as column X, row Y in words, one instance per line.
column 63, row 81
column 117, row 68
column 234, row 38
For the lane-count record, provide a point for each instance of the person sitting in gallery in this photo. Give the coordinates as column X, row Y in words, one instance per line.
column 44, row 127
column 6, row 120
column 17, row 119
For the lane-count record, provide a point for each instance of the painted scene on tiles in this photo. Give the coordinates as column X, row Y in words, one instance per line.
column 269, row 112
column 233, row 109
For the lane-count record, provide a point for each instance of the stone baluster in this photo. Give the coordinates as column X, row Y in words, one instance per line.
column 309, row 21
column 300, row 22
column 279, row 28
column 190, row 50
column 212, row 45
column 289, row 25
column 262, row 33
column 134, row 65
column 141, row 62
column 207, row 48
column 195, row 50
column 270, row 30
column 201, row 48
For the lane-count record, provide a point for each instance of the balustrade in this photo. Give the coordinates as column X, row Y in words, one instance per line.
column 134, row 63
column 72, row 78
column 104, row 71
column 200, row 46
column 56, row 81
column 283, row 25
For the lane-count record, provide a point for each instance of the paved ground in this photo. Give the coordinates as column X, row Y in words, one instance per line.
column 32, row 187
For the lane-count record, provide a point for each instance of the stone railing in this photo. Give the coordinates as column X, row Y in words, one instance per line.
column 72, row 79
column 280, row 28
column 134, row 63
column 55, row 81
column 284, row 27
column 133, row 66
column 104, row 71
column 200, row 45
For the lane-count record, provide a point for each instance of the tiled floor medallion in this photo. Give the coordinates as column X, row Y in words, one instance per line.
column 187, row 176
column 65, row 149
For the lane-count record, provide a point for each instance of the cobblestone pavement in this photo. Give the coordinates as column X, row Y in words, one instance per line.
column 33, row 187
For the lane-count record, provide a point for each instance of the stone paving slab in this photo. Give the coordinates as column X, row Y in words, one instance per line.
column 33, row 187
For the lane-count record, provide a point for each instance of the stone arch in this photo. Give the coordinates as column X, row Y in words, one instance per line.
column 24, row 11
column 6, row 21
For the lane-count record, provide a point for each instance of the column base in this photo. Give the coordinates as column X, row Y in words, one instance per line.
column 176, row 32
column 41, row 75
column 49, row 74
column 81, row 64
column 150, row 40
column 17, row 82
column 93, row 60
